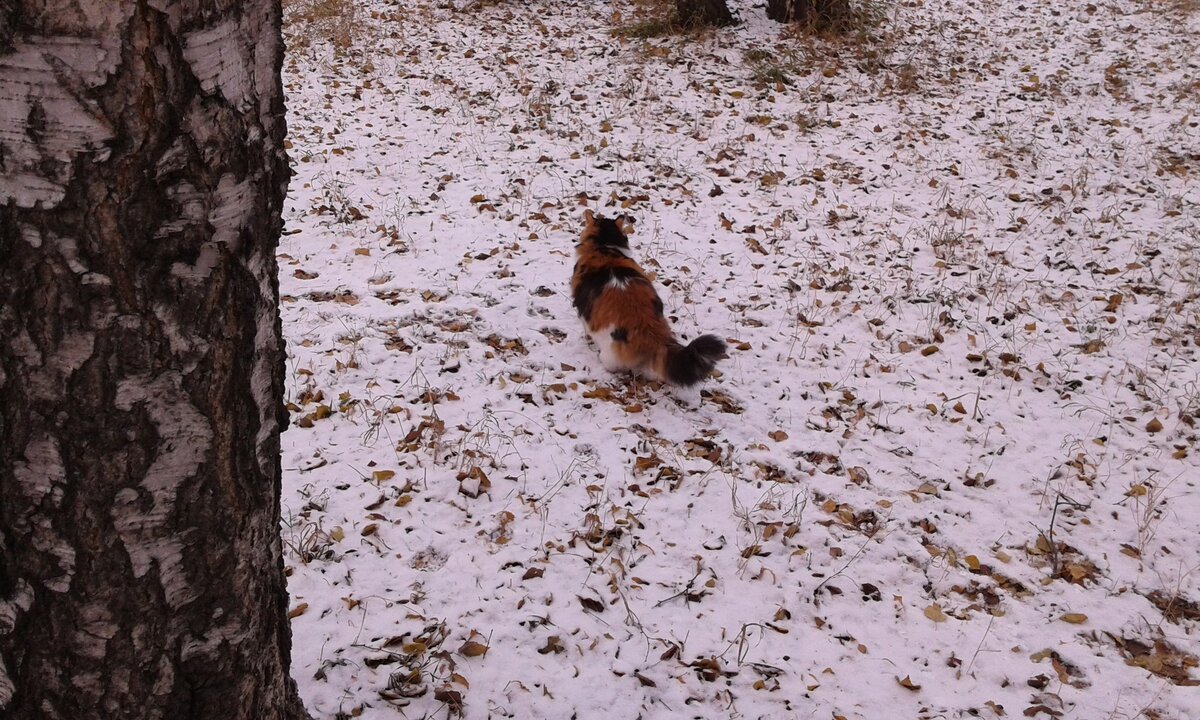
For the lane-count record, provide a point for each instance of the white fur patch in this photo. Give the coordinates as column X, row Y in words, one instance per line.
column 606, row 345
column 619, row 283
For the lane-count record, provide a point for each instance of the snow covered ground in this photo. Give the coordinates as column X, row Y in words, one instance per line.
column 950, row 467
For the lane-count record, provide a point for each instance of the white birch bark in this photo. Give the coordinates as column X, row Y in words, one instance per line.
column 141, row 180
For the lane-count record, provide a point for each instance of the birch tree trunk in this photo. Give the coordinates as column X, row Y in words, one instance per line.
column 810, row 12
column 142, row 176
column 694, row 13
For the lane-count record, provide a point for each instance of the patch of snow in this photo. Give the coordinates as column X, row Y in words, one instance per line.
column 950, row 459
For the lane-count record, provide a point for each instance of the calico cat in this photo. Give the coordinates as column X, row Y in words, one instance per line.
column 624, row 315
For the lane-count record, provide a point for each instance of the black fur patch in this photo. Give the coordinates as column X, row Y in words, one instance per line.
column 658, row 306
column 588, row 290
column 592, row 284
column 608, row 233
column 620, row 335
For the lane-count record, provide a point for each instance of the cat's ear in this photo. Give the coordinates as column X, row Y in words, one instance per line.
column 589, row 217
column 624, row 224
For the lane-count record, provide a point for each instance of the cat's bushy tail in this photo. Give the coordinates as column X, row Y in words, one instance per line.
column 689, row 364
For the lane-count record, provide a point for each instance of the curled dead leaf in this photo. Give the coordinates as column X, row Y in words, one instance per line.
column 858, row 475
column 591, row 604
column 470, row 648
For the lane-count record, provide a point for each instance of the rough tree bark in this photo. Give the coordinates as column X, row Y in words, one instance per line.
column 693, row 13
column 807, row 11
column 142, row 175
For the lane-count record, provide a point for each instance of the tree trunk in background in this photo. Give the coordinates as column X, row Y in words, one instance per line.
column 142, row 175
column 703, row 12
column 807, row 11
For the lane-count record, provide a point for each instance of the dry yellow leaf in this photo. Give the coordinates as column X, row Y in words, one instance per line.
column 934, row 613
